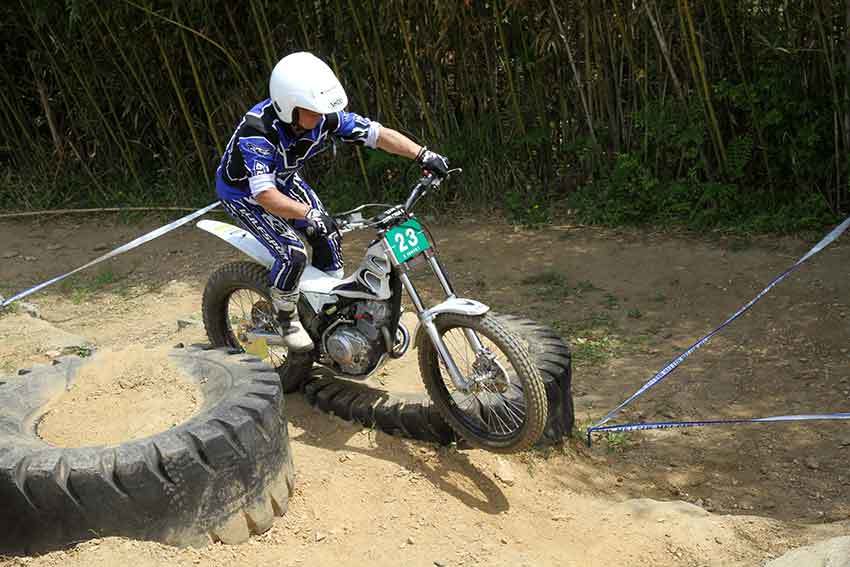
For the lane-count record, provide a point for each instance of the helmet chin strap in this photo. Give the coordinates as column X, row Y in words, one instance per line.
column 294, row 126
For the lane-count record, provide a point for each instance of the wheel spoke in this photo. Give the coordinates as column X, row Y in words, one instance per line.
column 486, row 411
column 248, row 310
column 453, row 342
column 517, row 418
column 499, row 418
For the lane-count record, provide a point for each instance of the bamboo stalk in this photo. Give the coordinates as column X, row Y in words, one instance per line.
column 587, row 25
column 264, row 36
column 227, row 54
column 302, row 24
column 202, row 94
column 697, row 53
column 378, row 41
column 520, row 122
column 91, row 101
column 187, row 116
column 49, row 116
column 838, row 127
column 22, row 127
column 576, row 74
column 750, row 96
column 426, row 111
column 611, row 85
column 141, row 79
column 846, row 188
column 118, row 127
column 237, row 33
column 665, row 50
column 379, row 89
column 95, row 181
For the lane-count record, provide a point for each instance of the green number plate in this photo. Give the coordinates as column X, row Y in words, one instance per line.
column 407, row 240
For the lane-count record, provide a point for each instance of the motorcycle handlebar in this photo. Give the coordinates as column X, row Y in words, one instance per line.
column 426, row 182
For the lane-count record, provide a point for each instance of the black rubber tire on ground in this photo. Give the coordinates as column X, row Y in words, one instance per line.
column 220, row 286
column 409, row 416
column 222, row 475
column 416, row 417
column 553, row 359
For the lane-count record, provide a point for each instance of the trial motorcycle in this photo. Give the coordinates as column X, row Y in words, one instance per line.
column 478, row 375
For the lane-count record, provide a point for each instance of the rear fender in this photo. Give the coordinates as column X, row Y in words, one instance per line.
column 240, row 239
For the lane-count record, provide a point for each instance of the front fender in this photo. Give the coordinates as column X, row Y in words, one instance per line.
column 239, row 239
column 459, row 305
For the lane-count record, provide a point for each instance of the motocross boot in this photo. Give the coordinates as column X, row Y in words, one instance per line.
column 295, row 338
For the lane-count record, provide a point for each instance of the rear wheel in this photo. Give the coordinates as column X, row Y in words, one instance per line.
column 236, row 306
column 505, row 407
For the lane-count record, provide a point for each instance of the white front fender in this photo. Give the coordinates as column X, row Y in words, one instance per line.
column 240, row 239
column 458, row 305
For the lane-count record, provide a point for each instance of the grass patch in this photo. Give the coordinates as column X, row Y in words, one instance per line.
column 616, row 442
column 594, row 340
column 554, row 284
column 585, row 286
column 80, row 290
column 599, row 320
column 104, row 278
column 635, row 313
column 594, row 350
column 610, row 301
column 547, row 278
column 9, row 310
column 549, row 283
column 81, row 351
column 638, row 344
column 579, row 431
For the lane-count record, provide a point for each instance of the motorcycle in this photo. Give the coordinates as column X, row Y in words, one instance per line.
column 478, row 375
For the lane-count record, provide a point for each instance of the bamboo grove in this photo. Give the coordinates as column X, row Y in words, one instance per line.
column 715, row 113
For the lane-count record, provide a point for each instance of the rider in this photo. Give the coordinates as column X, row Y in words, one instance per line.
column 259, row 185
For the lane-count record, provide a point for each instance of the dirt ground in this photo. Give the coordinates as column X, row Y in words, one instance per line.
column 627, row 301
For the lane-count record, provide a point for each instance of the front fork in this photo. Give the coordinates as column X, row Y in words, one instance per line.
column 426, row 319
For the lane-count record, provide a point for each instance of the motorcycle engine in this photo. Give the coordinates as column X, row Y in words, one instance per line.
column 356, row 345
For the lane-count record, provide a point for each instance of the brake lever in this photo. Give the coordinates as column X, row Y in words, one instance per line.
column 432, row 180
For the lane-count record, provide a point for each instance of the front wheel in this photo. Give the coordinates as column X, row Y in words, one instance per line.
column 236, row 304
column 505, row 409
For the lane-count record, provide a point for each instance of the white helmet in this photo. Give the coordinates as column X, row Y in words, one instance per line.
column 303, row 80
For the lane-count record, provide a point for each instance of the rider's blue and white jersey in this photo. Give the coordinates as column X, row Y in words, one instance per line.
column 265, row 152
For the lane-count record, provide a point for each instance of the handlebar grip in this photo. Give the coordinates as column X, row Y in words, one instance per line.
column 310, row 231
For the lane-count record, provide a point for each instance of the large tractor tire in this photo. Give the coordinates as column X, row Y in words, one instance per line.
column 222, row 475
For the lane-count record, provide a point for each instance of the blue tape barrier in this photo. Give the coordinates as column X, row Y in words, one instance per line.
column 670, row 367
column 706, row 422
column 120, row 250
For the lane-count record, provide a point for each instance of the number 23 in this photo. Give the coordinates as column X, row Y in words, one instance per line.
column 410, row 242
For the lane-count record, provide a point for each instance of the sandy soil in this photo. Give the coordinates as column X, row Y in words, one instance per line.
column 120, row 395
column 628, row 302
